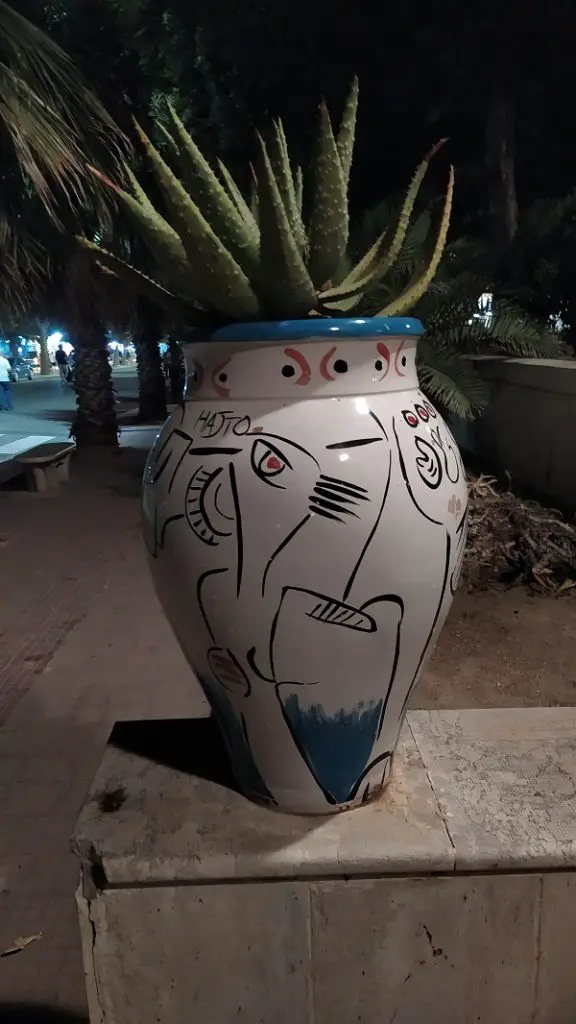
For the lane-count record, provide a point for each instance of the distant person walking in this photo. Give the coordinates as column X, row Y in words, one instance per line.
column 62, row 364
column 5, row 385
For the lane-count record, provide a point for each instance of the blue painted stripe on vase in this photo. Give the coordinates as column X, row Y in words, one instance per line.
column 336, row 748
column 301, row 330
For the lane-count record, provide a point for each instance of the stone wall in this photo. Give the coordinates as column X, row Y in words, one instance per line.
column 529, row 428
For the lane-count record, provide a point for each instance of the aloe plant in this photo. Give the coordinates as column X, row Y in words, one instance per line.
column 219, row 254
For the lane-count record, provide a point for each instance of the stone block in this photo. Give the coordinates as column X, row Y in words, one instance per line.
column 450, row 899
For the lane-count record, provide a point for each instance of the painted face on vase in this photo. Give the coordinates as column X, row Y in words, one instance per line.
column 285, row 502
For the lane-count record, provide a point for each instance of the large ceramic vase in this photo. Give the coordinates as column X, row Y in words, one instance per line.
column 305, row 514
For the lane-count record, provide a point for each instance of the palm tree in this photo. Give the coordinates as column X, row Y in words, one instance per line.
column 53, row 120
column 92, row 299
column 151, row 381
column 449, row 309
column 53, row 124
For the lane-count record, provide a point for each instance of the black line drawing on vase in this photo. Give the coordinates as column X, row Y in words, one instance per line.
column 428, row 464
column 206, row 519
column 439, row 607
column 336, row 738
column 444, row 441
column 460, row 551
column 233, row 729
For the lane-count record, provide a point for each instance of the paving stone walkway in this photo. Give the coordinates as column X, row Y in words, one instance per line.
column 83, row 643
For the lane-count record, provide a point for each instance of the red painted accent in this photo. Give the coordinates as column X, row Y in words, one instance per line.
column 400, row 372
column 384, row 351
column 423, row 413
column 273, row 462
column 227, row 672
column 218, row 388
column 302, row 363
column 324, row 364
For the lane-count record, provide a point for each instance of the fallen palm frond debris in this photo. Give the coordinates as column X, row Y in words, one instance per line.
column 513, row 541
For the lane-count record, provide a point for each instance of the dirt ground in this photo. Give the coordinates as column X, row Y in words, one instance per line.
column 503, row 649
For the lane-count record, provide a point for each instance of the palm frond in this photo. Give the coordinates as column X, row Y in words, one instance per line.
column 449, row 309
column 514, row 332
column 54, row 120
column 451, row 380
column 24, row 265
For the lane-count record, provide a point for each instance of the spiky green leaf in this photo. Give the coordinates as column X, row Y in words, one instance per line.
column 407, row 300
column 383, row 254
column 284, row 283
column 299, row 189
column 219, row 282
column 347, row 131
column 172, row 147
column 159, row 236
column 217, row 207
column 254, row 197
column 141, row 283
column 328, row 224
column 237, row 198
column 279, row 156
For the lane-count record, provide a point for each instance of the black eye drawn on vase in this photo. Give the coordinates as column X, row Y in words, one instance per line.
column 410, row 418
column 382, row 365
column 268, row 462
column 400, row 361
column 329, row 365
column 301, row 364
column 222, row 377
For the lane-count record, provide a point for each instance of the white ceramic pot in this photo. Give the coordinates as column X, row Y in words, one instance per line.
column 305, row 513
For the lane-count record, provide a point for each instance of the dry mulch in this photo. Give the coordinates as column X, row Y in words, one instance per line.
column 514, row 541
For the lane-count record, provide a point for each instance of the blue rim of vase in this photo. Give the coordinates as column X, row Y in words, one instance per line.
column 301, row 330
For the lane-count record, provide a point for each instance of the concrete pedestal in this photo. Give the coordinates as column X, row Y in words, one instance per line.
column 452, row 900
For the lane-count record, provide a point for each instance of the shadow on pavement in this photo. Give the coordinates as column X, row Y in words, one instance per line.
column 190, row 745
column 60, row 415
column 36, row 1013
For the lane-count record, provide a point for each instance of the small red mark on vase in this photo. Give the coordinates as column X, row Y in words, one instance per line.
column 227, row 671
column 273, row 462
column 324, row 364
column 302, row 363
column 383, row 351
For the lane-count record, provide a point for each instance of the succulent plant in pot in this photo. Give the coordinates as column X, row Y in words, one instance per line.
column 305, row 508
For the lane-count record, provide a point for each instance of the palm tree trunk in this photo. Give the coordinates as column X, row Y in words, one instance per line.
column 151, row 382
column 45, row 364
column 176, row 370
column 500, row 163
column 95, row 421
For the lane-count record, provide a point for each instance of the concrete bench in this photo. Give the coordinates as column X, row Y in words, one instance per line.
column 47, row 465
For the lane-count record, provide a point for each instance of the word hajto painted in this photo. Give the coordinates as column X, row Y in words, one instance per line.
column 221, row 423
